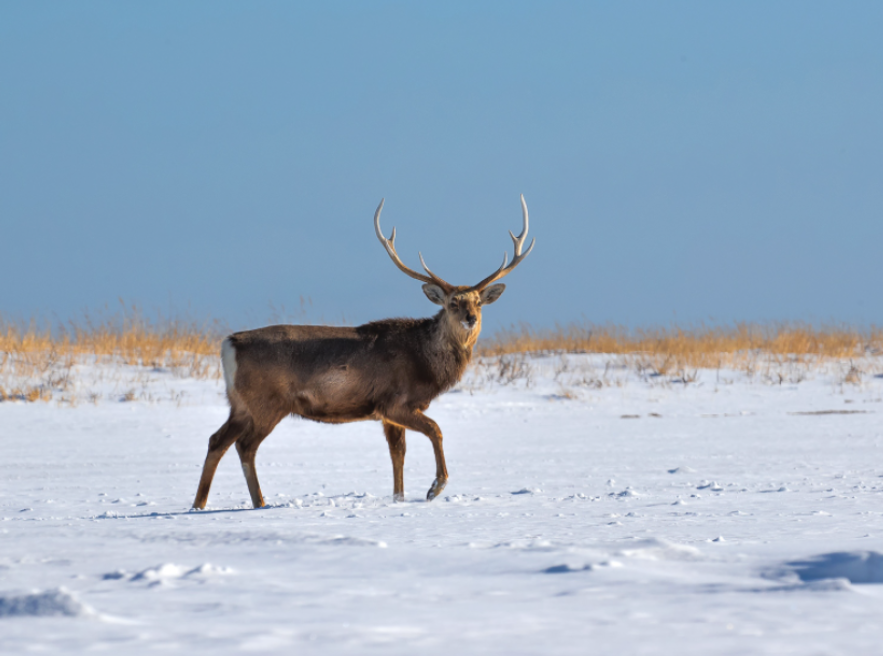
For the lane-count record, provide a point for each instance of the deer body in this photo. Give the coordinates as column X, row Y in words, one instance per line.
column 388, row 370
column 336, row 375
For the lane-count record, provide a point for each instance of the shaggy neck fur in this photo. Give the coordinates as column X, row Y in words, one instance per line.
column 451, row 348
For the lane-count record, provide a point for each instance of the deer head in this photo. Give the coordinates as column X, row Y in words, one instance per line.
column 461, row 304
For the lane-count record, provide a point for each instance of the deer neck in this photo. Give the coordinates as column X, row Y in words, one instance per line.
column 450, row 351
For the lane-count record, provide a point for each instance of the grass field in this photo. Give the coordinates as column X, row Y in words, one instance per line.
column 39, row 361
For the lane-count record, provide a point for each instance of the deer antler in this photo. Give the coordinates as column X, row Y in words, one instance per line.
column 389, row 245
column 516, row 260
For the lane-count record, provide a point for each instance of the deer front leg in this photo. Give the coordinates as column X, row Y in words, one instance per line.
column 416, row 420
column 395, row 437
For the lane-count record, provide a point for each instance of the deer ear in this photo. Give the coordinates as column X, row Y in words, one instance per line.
column 434, row 293
column 491, row 294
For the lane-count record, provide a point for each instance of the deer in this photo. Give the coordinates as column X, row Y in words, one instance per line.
column 388, row 371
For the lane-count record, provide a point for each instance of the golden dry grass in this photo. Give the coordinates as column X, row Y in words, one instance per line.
column 37, row 362
column 701, row 346
column 678, row 349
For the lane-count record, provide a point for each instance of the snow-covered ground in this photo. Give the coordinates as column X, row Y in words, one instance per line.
column 593, row 510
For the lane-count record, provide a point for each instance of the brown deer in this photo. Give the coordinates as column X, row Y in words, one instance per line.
column 388, row 370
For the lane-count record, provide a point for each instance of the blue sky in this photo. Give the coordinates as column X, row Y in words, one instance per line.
column 682, row 161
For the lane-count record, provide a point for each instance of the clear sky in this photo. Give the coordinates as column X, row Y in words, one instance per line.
column 682, row 161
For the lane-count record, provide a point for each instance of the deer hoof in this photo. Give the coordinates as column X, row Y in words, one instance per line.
column 437, row 486
column 398, row 497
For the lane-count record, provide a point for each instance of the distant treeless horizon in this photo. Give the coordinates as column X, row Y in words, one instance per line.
column 683, row 163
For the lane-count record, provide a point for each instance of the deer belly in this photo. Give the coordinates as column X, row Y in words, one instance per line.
column 333, row 397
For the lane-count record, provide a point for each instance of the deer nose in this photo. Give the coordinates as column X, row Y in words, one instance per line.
column 470, row 320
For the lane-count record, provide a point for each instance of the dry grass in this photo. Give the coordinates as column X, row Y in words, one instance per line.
column 667, row 349
column 38, row 362
column 774, row 353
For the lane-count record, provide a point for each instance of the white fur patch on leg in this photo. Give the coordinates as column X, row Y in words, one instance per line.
column 228, row 363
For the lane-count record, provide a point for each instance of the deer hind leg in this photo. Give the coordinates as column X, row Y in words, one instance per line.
column 395, row 437
column 247, row 447
column 218, row 444
column 416, row 420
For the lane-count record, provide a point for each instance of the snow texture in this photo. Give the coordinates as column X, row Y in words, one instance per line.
column 591, row 509
column 42, row 604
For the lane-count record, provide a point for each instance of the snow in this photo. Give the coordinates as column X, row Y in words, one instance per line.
column 42, row 604
column 591, row 508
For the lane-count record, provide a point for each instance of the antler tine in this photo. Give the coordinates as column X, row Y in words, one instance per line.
column 389, row 245
column 519, row 240
column 519, row 256
column 434, row 277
